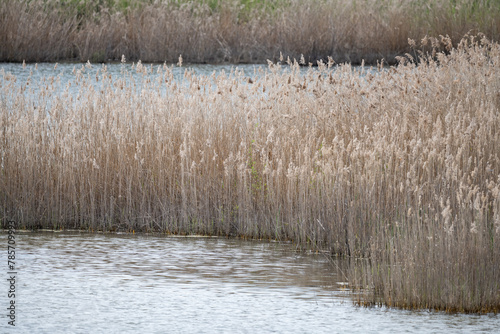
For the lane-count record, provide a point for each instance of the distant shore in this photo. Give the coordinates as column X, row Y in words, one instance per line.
column 212, row 31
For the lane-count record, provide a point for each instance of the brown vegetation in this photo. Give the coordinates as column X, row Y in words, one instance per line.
column 156, row 32
column 401, row 167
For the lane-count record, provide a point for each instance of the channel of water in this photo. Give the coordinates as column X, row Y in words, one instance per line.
column 126, row 283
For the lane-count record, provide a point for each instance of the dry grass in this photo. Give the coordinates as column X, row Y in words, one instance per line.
column 401, row 167
column 156, row 32
column 34, row 35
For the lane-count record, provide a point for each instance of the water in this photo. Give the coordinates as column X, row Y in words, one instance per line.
column 42, row 84
column 38, row 76
column 95, row 283
column 67, row 71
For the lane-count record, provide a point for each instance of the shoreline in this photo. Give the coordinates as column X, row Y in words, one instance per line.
column 229, row 34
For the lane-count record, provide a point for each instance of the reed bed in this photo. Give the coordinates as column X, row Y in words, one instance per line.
column 398, row 166
column 233, row 31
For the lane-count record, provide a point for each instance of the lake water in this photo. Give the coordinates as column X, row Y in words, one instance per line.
column 112, row 283
column 38, row 74
column 67, row 72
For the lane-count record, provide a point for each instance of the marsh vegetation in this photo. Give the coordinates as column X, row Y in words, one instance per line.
column 399, row 167
column 236, row 31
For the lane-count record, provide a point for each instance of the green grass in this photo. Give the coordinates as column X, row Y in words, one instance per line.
column 475, row 10
column 91, row 7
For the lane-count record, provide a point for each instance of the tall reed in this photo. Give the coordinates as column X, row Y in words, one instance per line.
column 399, row 166
column 234, row 31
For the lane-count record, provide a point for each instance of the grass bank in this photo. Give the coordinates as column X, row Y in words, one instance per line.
column 236, row 31
column 401, row 168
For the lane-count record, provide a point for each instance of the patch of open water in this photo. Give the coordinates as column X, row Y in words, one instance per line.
column 112, row 283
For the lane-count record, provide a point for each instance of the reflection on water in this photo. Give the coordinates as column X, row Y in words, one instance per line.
column 81, row 283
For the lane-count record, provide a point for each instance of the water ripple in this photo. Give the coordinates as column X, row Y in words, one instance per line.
column 81, row 283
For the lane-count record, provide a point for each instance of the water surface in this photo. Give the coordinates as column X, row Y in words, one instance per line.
column 82, row 283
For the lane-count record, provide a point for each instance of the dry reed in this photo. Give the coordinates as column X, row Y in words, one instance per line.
column 401, row 166
column 349, row 31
